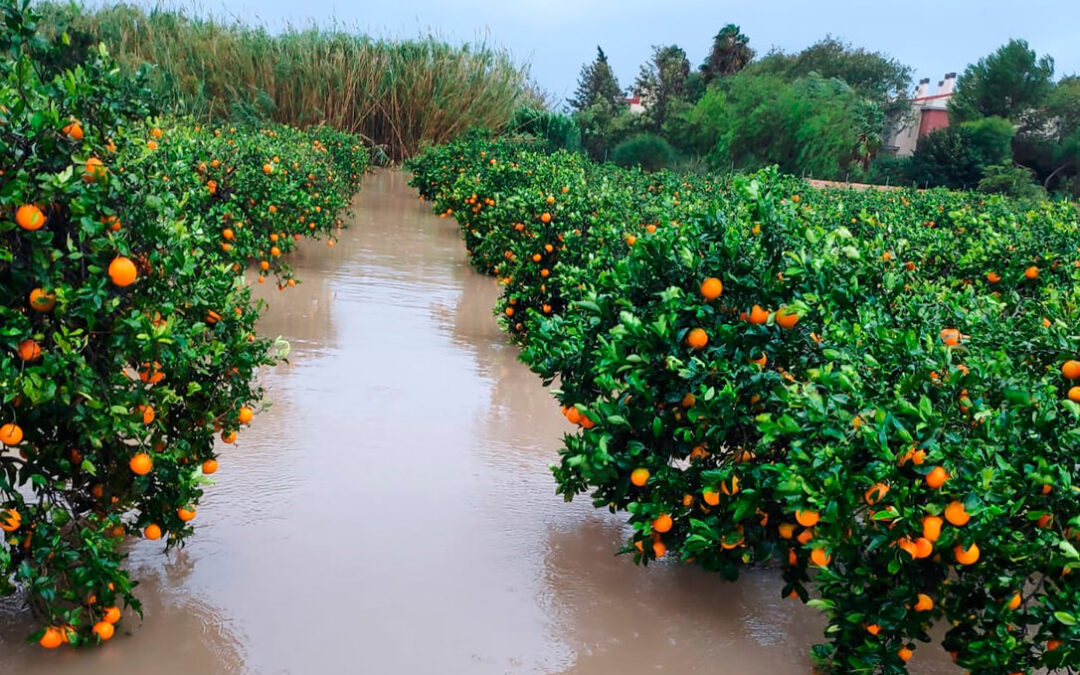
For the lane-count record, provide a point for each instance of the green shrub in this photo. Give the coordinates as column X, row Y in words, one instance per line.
column 648, row 151
column 1011, row 180
column 558, row 131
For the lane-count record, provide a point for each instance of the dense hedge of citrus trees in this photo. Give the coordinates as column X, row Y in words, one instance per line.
column 878, row 392
column 127, row 343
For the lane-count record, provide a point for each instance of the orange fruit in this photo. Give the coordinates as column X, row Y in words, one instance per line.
column 967, row 556
column 630, row 240
column 786, row 318
column 1071, row 369
column 805, row 536
column 267, row 168
column 29, row 350
column 11, row 434
column 905, row 654
column 662, row 523
column 931, row 527
column 122, row 271
column 730, row 488
column 787, row 530
column 711, row 288
column 659, row 549
column 30, row 217
column 807, row 518
column 819, row 557
column 688, row 401
column 52, row 638
column 141, row 464
column 73, row 130
column 950, row 336
column 956, row 514
column 876, row 493
column 1031, row 272
column 545, row 217
column 697, row 338
column 710, row 496
column 93, row 170
column 761, row 360
column 937, row 477
column 873, row 629
column 152, row 531
column 573, row 415
column 10, row 520
column 112, row 615
column 758, row 315
column 228, row 436
column 246, row 415
column 1074, row 394
column 1051, row 645
column 103, row 629
column 151, row 373
column 209, row 466
column 993, row 277
column 923, row 548
column 1014, row 601
column 924, row 603
column 185, row 515
column 40, row 301
column 639, row 476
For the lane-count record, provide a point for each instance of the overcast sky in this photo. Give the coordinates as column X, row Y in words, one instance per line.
column 556, row 36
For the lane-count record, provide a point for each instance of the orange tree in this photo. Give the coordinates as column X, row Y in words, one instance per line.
column 874, row 391
column 127, row 343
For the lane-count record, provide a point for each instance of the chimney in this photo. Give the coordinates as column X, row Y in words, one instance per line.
column 947, row 86
column 923, row 88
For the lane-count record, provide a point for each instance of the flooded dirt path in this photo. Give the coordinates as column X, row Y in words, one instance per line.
column 392, row 513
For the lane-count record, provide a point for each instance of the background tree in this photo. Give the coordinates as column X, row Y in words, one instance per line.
column 597, row 83
column 662, row 80
column 1049, row 140
column 958, row 156
column 875, row 75
column 597, row 104
column 817, row 126
column 731, row 52
column 1008, row 83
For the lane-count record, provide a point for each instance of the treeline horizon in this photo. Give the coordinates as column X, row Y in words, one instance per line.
column 826, row 111
column 822, row 112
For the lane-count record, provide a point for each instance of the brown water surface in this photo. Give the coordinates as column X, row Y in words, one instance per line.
column 393, row 513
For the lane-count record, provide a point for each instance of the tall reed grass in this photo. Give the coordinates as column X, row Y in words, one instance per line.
column 396, row 93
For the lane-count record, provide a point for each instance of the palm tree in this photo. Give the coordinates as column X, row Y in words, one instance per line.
column 730, row 53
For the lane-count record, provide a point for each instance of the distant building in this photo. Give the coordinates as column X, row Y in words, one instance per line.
column 929, row 112
column 636, row 106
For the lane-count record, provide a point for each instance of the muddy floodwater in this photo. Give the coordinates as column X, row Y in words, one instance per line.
column 392, row 512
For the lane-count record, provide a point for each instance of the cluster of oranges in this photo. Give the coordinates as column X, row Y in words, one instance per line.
column 758, row 371
column 129, row 347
